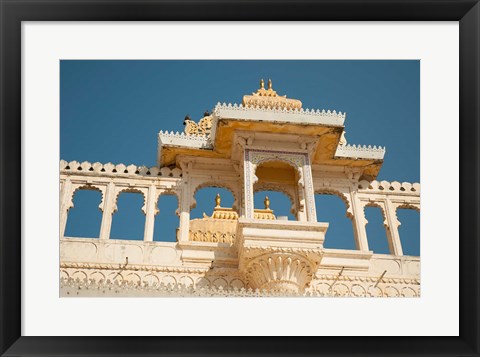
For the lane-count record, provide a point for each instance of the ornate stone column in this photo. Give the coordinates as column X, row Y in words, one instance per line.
column 185, row 203
column 65, row 204
column 359, row 222
column 109, row 208
column 151, row 211
column 308, row 189
column 392, row 228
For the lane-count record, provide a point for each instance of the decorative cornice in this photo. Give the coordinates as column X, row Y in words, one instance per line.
column 324, row 117
column 182, row 139
column 313, row 112
column 360, row 152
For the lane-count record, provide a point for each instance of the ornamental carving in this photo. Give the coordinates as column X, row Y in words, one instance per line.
column 268, row 98
column 212, row 237
column 202, row 128
column 280, row 272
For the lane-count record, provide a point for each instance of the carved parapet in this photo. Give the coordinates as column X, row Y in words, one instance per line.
column 279, row 255
column 386, row 187
column 98, row 169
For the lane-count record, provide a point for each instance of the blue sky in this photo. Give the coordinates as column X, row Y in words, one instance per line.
column 112, row 111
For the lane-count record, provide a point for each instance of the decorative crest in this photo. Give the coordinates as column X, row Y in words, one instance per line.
column 268, row 98
column 203, row 128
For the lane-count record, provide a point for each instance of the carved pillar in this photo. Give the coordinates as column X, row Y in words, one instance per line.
column 151, row 211
column 392, row 229
column 308, row 189
column 109, row 207
column 359, row 222
column 65, row 204
column 248, row 185
column 185, row 203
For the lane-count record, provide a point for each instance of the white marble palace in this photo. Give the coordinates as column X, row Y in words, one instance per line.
column 269, row 142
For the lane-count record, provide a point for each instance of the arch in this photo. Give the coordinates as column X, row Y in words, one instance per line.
column 131, row 190
column 166, row 222
column 373, row 204
column 262, row 156
column 341, row 195
column 90, row 187
column 167, row 192
column 224, row 185
column 409, row 229
column 208, row 201
column 85, row 221
column 331, row 205
column 407, row 205
column 378, row 240
column 128, row 223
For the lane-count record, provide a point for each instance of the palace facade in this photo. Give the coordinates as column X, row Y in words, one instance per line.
column 269, row 142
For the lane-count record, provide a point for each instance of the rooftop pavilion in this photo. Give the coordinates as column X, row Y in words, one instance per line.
column 267, row 117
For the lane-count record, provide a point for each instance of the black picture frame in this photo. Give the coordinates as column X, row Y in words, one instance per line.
column 13, row 12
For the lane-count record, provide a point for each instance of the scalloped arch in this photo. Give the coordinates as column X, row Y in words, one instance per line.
column 412, row 206
column 131, row 190
column 207, row 184
column 167, row 193
column 87, row 187
column 382, row 209
column 341, row 195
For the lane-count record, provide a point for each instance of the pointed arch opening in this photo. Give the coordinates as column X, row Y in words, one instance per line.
column 85, row 217
column 376, row 231
column 409, row 229
column 205, row 200
column 128, row 222
column 167, row 219
column 277, row 180
column 333, row 208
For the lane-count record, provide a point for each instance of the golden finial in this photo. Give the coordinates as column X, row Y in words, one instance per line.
column 262, row 84
column 269, row 84
column 266, row 202
column 217, row 200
